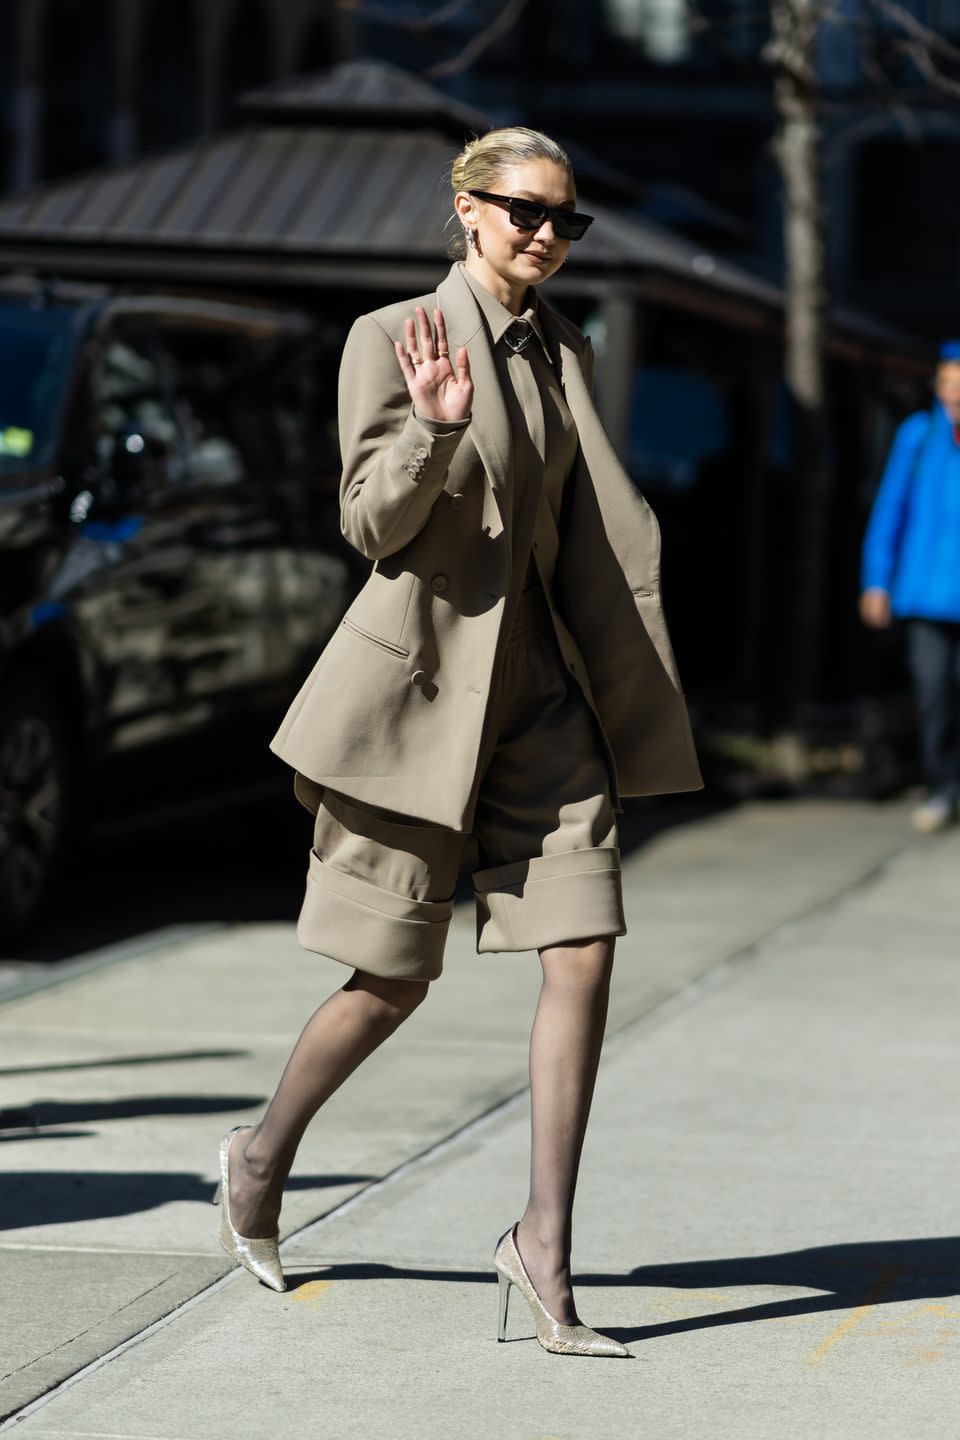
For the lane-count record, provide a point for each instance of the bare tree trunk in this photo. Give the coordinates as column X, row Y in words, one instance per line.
column 797, row 147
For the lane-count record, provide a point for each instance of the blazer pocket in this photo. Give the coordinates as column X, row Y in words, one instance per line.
column 649, row 607
column 399, row 650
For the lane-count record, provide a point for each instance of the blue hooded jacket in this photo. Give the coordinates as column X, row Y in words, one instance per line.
column 912, row 545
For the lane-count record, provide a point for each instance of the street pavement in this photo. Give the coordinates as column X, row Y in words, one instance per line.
column 766, row 1214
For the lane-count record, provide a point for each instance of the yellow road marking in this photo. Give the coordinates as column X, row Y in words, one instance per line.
column 928, row 1355
column 941, row 1311
column 885, row 1283
column 312, row 1291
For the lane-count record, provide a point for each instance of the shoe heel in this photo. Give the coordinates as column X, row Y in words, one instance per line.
column 216, row 1196
column 504, row 1297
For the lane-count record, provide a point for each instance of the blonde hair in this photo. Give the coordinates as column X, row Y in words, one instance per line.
column 483, row 160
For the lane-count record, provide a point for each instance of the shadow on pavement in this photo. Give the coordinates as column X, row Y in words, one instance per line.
column 168, row 1057
column 882, row 1272
column 57, row 1197
column 86, row 1112
column 876, row 1272
column 17, row 1136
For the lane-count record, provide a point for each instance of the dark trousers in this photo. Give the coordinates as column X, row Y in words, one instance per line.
column 934, row 654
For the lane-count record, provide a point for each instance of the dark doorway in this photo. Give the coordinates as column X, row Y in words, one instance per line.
column 79, row 67
column 319, row 47
column 170, row 81
column 919, row 293
column 246, row 54
column 9, row 54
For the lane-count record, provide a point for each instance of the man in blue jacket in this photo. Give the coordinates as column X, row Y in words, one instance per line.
column 911, row 570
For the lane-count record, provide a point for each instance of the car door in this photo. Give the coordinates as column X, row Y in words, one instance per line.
column 125, row 577
column 279, row 597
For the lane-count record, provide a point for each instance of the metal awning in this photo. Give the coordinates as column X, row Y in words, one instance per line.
column 348, row 167
column 301, row 192
column 364, row 92
column 339, row 180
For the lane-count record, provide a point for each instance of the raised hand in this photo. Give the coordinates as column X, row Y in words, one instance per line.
column 439, row 391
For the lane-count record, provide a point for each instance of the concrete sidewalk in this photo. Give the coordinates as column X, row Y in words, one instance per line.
column 766, row 1212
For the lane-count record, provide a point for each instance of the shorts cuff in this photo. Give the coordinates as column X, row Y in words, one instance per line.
column 357, row 923
column 549, row 900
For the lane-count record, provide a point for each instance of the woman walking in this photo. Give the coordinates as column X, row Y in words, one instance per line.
column 505, row 672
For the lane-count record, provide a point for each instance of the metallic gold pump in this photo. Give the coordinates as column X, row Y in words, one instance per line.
column 560, row 1339
column 260, row 1256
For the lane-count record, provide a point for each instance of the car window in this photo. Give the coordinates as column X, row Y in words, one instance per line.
column 37, row 347
column 208, row 370
column 245, row 402
column 130, row 406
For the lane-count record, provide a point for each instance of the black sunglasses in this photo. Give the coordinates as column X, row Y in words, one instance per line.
column 530, row 215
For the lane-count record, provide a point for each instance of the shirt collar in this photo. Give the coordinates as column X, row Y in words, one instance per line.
column 498, row 317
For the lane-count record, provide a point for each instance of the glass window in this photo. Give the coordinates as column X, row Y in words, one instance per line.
column 250, row 403
column 36, row 355
column 130, row 409
column 674, row 32
column 247, row 402
column 207, row 373
column 678, row 420
column 661, row 26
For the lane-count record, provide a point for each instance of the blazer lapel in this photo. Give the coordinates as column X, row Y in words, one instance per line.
column 568, row 367
column 598, row 453
column 490, row 428
column 629, row 526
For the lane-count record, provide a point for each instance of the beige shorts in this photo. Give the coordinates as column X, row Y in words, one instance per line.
column 380, row 886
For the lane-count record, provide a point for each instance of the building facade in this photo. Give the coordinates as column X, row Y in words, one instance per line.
column 677, row 93
column 674, row 96
column 84, row 83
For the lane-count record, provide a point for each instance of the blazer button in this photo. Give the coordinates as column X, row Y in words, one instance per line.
column 455, row 497
column 418, row 677
column 438, row 584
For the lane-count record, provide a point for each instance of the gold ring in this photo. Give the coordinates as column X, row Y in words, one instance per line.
column 442, row 352
column 416, row 359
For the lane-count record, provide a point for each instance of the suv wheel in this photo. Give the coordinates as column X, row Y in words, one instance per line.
column 36, row 784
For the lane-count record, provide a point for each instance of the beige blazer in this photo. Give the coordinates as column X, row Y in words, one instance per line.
column 392, row 712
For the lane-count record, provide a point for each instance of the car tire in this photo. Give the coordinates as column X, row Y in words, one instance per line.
column 38, row 788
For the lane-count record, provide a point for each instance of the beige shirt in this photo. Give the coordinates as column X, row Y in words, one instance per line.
column 538, row 409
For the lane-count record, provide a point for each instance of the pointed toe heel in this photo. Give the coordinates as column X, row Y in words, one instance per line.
column 558, row 1339
column 261, row 1256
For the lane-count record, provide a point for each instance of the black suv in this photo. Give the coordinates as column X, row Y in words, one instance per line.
column 169, row 555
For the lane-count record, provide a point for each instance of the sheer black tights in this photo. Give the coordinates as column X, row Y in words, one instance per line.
column 565, row 1047
column 565, row 1050
column 338, row 1037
